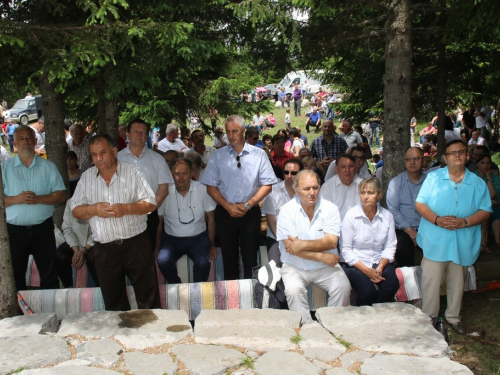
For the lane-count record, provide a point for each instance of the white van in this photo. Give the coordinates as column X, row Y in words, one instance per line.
column 299, row 77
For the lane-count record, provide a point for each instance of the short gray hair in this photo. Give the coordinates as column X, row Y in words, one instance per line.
column 371, row 182
column 171, row 128
column 24, row 127
column 304, row 172
column 235, row 119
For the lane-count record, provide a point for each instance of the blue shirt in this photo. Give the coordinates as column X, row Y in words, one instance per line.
column 42, row 177
column 238, row 185
column 401, row 196
column 314, row 117
column 304, row 139
column 460, row 246
column 11, row 129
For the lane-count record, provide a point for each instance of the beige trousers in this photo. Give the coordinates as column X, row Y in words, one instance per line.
column 433, row 275
column 331, row 279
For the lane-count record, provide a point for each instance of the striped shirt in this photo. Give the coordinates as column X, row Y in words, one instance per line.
column 83, row 154
column 128, row 185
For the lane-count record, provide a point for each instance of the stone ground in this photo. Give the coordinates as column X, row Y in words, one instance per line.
column 385, row 339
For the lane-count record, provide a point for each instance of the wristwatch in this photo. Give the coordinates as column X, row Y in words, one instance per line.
column 466, row 223
column 247, row 206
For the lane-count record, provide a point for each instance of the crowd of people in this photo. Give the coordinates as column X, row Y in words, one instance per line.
column 134, row 205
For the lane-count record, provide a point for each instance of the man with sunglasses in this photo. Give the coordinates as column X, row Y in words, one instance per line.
column 186, row 212
column 358, row 153
column 401, row 196
column 238, row 177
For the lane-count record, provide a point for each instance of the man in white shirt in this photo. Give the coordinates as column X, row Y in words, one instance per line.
column 257, row 122
column 220, row 139
column 198, row 141
column 185, row 213
column 39, row 128
column 80, row 145
column 308, row 229
column 152, row 165
column 172, row 141
column 342, row 189
column 115, row 198
column 362, row 171
column 483, row 116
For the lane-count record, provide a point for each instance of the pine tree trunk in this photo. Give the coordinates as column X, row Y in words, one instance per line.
column 8, row 304
column 112, row 119
column 397, row 88
column 55, row 142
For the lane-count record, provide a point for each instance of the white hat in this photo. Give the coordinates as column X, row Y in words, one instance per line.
column 269, row 275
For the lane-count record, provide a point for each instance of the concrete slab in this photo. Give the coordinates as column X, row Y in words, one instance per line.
column 253, row 328
column 208, row 359
column 405, row 365
column 315, row 338
column 74, row 362
column 351, row 358
column 104, row 352
column 338, row 371
column 280, row 362
column 31, row 352
column 398, row 328
column 322, row 354
column 141, row 363
column 73, row 370
column 138, row 329
column 28, row 325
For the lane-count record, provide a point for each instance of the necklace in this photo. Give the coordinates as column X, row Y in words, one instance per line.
column 456, row 187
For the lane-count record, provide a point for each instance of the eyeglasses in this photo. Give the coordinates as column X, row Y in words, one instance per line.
column 408, row 160
column 456, row 153
column 293, row 173
column 238, row 160
column 179, row 209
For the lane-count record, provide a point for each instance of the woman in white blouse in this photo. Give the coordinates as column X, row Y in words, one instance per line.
column 369, row 246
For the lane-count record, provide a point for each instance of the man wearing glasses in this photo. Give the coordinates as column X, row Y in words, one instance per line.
column 401, row 196
column 186, row 212
column 238, row 177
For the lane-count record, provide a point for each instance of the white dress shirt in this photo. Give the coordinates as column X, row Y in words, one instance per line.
column 238, row 185
column 76, row 232
column 368, row 241
column 193, row 205
column 344, row 197
column 293, row 221
column 363, row 172
column 209, row 151
column 274, row 201
column 151, row 164
column 217, row 141
column 4, row 155
column 177, row 145
column 128, row 185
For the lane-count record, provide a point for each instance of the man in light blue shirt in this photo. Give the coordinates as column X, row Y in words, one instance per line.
column 401, row 196
column 32, row 186
column 238, row 177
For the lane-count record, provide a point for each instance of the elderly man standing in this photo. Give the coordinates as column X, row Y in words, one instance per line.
column 115, row 198
column 39, row 128
column 401, row 197
column 351, row 137
column 186, row 212
column 297, row 99
column 308, row 229
column 80, row 145
column 172, row 141
column 342, row 188
column 152, row 165
column 327, row 147
column 238, row 177
column 32, row 186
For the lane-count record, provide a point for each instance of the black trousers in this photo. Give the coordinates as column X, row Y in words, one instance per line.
column 316, row 126
column 153, row 221
column 115, row 260
column 405, row 249
column 39, row 241
column 65, row 269
column 235, row 234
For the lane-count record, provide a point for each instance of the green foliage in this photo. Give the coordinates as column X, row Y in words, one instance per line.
column 346, row 344
column 296, row 339
column 249, row 362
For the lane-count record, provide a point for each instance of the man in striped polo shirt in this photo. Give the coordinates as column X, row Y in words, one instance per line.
column 115, row 197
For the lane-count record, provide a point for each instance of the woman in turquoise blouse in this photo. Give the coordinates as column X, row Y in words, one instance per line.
column 484, row 171
column 453, row 203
